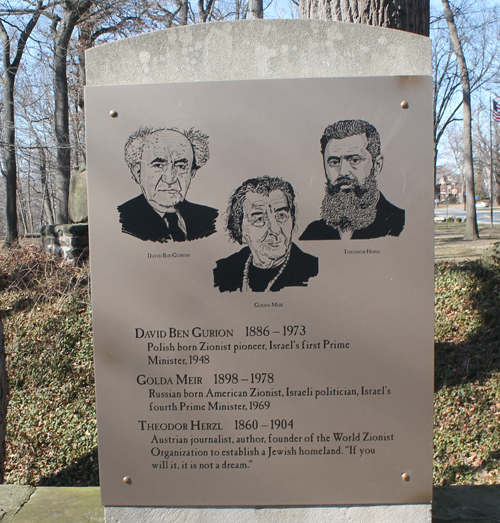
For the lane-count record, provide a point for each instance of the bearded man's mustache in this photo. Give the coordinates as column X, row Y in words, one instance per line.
column 339, row 186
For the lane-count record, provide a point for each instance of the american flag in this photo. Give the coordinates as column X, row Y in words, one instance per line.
column 496, row 111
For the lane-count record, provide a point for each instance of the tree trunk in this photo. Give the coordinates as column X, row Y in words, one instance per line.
column 407, row 15
column 4, row 398
column 8, row 81
column 74, row 10
column 496, row 166
column 471, row 230
column 22, row 209
column 255, row 9
column 183, row 12
column 204, row 12
column 61, row 116
column 496, row 184
column 10, row 167
column 45, row 189
column 84, row 43
column 435, row 170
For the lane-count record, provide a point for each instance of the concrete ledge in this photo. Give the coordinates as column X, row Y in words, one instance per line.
column 61, row 505
column 382, row 514
column 25, row 504
column 12, row 499
column 259, row 49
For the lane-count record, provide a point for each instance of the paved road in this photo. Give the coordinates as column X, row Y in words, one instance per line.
column 483, row 215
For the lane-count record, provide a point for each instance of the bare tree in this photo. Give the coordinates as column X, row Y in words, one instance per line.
column 446, row 82
column 496, row 163
column 8, row 78
column 62, row 29
column 42, row 165
column 71, row 26
column 34, row 126
column 41, row 159
column 487, row 150
column 479, row 37
column 164, row 16
column 407, row 15
column 471, row 230
column 105, row 21
column 205, row 11
column 95, row 20
column 108, row 20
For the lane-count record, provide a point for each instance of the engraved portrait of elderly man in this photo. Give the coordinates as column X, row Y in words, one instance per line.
column 164, row 162
column 261, row 216
column 353, row 206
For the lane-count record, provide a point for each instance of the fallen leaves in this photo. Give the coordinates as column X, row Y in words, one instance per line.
column 467, row 374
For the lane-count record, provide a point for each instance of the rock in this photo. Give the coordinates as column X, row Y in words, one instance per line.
column 78, row 212
column 70, row 241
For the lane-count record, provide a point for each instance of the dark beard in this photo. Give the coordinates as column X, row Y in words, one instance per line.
column 352, row 210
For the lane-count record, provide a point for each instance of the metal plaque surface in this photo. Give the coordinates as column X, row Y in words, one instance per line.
column 262, row 284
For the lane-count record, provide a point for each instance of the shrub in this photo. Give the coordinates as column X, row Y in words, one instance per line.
column 51, row 427
column 467, row 374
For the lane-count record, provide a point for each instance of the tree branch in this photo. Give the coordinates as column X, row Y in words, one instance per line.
column 21, row 44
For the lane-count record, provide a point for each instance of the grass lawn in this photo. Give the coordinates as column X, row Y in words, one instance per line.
column 449, row 244
column 51, row 438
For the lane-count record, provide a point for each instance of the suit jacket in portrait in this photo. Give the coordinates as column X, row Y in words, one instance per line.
column 389, row 221
column 139, row 219
column 228, row 274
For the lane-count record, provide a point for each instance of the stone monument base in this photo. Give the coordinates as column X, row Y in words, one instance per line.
column 69, row 241
column 357, row 514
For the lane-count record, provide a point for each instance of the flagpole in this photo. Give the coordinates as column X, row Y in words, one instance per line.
column 491, row 161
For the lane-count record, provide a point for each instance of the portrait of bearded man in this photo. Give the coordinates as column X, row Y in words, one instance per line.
column 353, row 206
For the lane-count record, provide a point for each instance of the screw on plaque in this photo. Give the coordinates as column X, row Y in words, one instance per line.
column 405, row 105
column 113, row 113
column 405, row 476
column 128, row 480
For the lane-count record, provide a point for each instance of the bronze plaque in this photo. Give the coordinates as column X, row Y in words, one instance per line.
column 262, row 283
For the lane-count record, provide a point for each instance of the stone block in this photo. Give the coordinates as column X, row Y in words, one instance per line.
column 67, row 229
column 77, row 203
column 69, row 241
